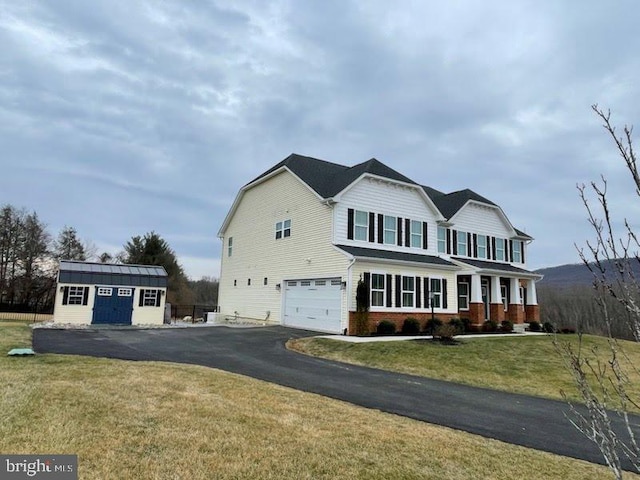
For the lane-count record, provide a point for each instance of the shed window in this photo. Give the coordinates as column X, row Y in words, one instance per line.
column 125, row 292
column 149, row 298
column 105, row 292
column 75, row 295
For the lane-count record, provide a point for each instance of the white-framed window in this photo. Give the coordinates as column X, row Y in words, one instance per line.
column 105, row 291
column 283, row 229
column 481, row 246
column 377, row 289
column 505, row 301
column 390, row 226
column 75, row 295
column 462, row 243
column 442, row 239
column 149, row 297
column 517, row 251
column 463, row 296
column 230, row 246
column 416, row 234
column 361, row 226
column 435, row 293
column 408, row 291
column 500, row 249
column 125, row 292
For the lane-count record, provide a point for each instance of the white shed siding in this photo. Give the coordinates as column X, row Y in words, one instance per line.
column 147, row 315
column 483, row 220
column 360, row 267
column 73, row 314
column 256, row 255
column 372, row 195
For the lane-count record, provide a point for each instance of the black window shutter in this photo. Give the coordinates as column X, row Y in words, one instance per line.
column 367, row 284
column 141, row 302
column 522, row 251
column 65, row 296
column 475, row 245
column 158, row 292
column 426, row 292
column 488, row 243
column 85, row 295
column 407, row 232
column 444, row 293
column 350, row 214
column 398, row 290
column 387, row 286
column 425, row 233
column 418, row 290
column 493, row 248
column 399, row 231
column 448, row 241
column 510, row 251
column 469, row 247
column 380, row 228
column 372, row 222
column 455, row 242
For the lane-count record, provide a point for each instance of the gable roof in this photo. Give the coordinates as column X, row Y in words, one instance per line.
column 328, row 179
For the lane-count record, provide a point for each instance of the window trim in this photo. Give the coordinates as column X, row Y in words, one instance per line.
column 361, row 226
column 75, row 295
column 149, row 297
column 411, row 292
column 104, row 291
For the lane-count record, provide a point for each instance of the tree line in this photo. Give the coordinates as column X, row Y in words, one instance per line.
column 29, row 257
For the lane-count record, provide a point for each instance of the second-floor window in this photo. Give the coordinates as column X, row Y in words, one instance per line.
column 361, row 225
column 500, row 249
column 416, row 234
column 517, row 252
column 230, row 247
column 481, row 246
column 390, row 225
column 442, row 240
column 283, row 229
column 462, row 243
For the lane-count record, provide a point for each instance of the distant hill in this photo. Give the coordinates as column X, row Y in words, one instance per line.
column 572, row 275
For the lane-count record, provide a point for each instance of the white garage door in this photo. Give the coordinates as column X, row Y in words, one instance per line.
column 313, row 304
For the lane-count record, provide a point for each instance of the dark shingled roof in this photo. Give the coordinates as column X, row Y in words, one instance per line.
column 328, row 179
column 503, row 267
column 396, row 256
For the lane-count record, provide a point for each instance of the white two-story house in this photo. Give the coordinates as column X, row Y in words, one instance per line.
column 299, row 238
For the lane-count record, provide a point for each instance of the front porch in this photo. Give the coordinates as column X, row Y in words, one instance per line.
column 497, row 297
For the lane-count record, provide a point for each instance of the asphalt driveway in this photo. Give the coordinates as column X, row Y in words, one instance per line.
column 260, row 353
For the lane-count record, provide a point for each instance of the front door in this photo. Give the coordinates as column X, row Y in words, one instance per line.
column 113, row 305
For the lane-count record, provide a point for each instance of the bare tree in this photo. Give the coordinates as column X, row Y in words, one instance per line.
column 610, row 256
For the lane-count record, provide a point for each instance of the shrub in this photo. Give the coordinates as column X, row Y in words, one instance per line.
column 568, row 330
column 548, row 327
column 490, row 326
column 386, row 327
column 411, row 326
column 506, row 326
column 459, row 324
column 431, row 325
column 534, row 326
column 445, row 332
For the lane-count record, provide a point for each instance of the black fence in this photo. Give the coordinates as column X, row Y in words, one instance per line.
column 26, row 312
column 191, row 313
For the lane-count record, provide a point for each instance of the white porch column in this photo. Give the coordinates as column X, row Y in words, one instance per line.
column 532, row 297
column 496, row 294
column 476, row 289
column 515, row 290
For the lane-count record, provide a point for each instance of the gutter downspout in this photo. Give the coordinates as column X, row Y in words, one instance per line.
column 348, row 291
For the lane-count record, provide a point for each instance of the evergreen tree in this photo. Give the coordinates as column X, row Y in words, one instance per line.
column 68, row 247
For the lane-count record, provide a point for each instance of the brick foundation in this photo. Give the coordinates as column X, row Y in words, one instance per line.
column 476, row 313
column 398, row 318
column 515, row 314
column 532, row 313
column 496, row 310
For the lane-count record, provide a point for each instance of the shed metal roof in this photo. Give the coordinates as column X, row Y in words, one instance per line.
column 88, row 273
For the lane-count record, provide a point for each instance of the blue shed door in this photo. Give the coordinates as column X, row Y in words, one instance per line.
column 113, row 305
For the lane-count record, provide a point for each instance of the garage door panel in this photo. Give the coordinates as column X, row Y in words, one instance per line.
column 313, row 305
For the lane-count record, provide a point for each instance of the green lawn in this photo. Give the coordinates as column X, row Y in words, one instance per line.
column 529, row 365
column 152, row 420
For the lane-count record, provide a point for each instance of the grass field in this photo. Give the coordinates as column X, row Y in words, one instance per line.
column 151, row 420
column 529, row 365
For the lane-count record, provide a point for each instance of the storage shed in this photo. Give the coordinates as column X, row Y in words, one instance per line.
column 103, row 293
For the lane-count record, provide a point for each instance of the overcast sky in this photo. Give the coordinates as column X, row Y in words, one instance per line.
column 122, row 117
